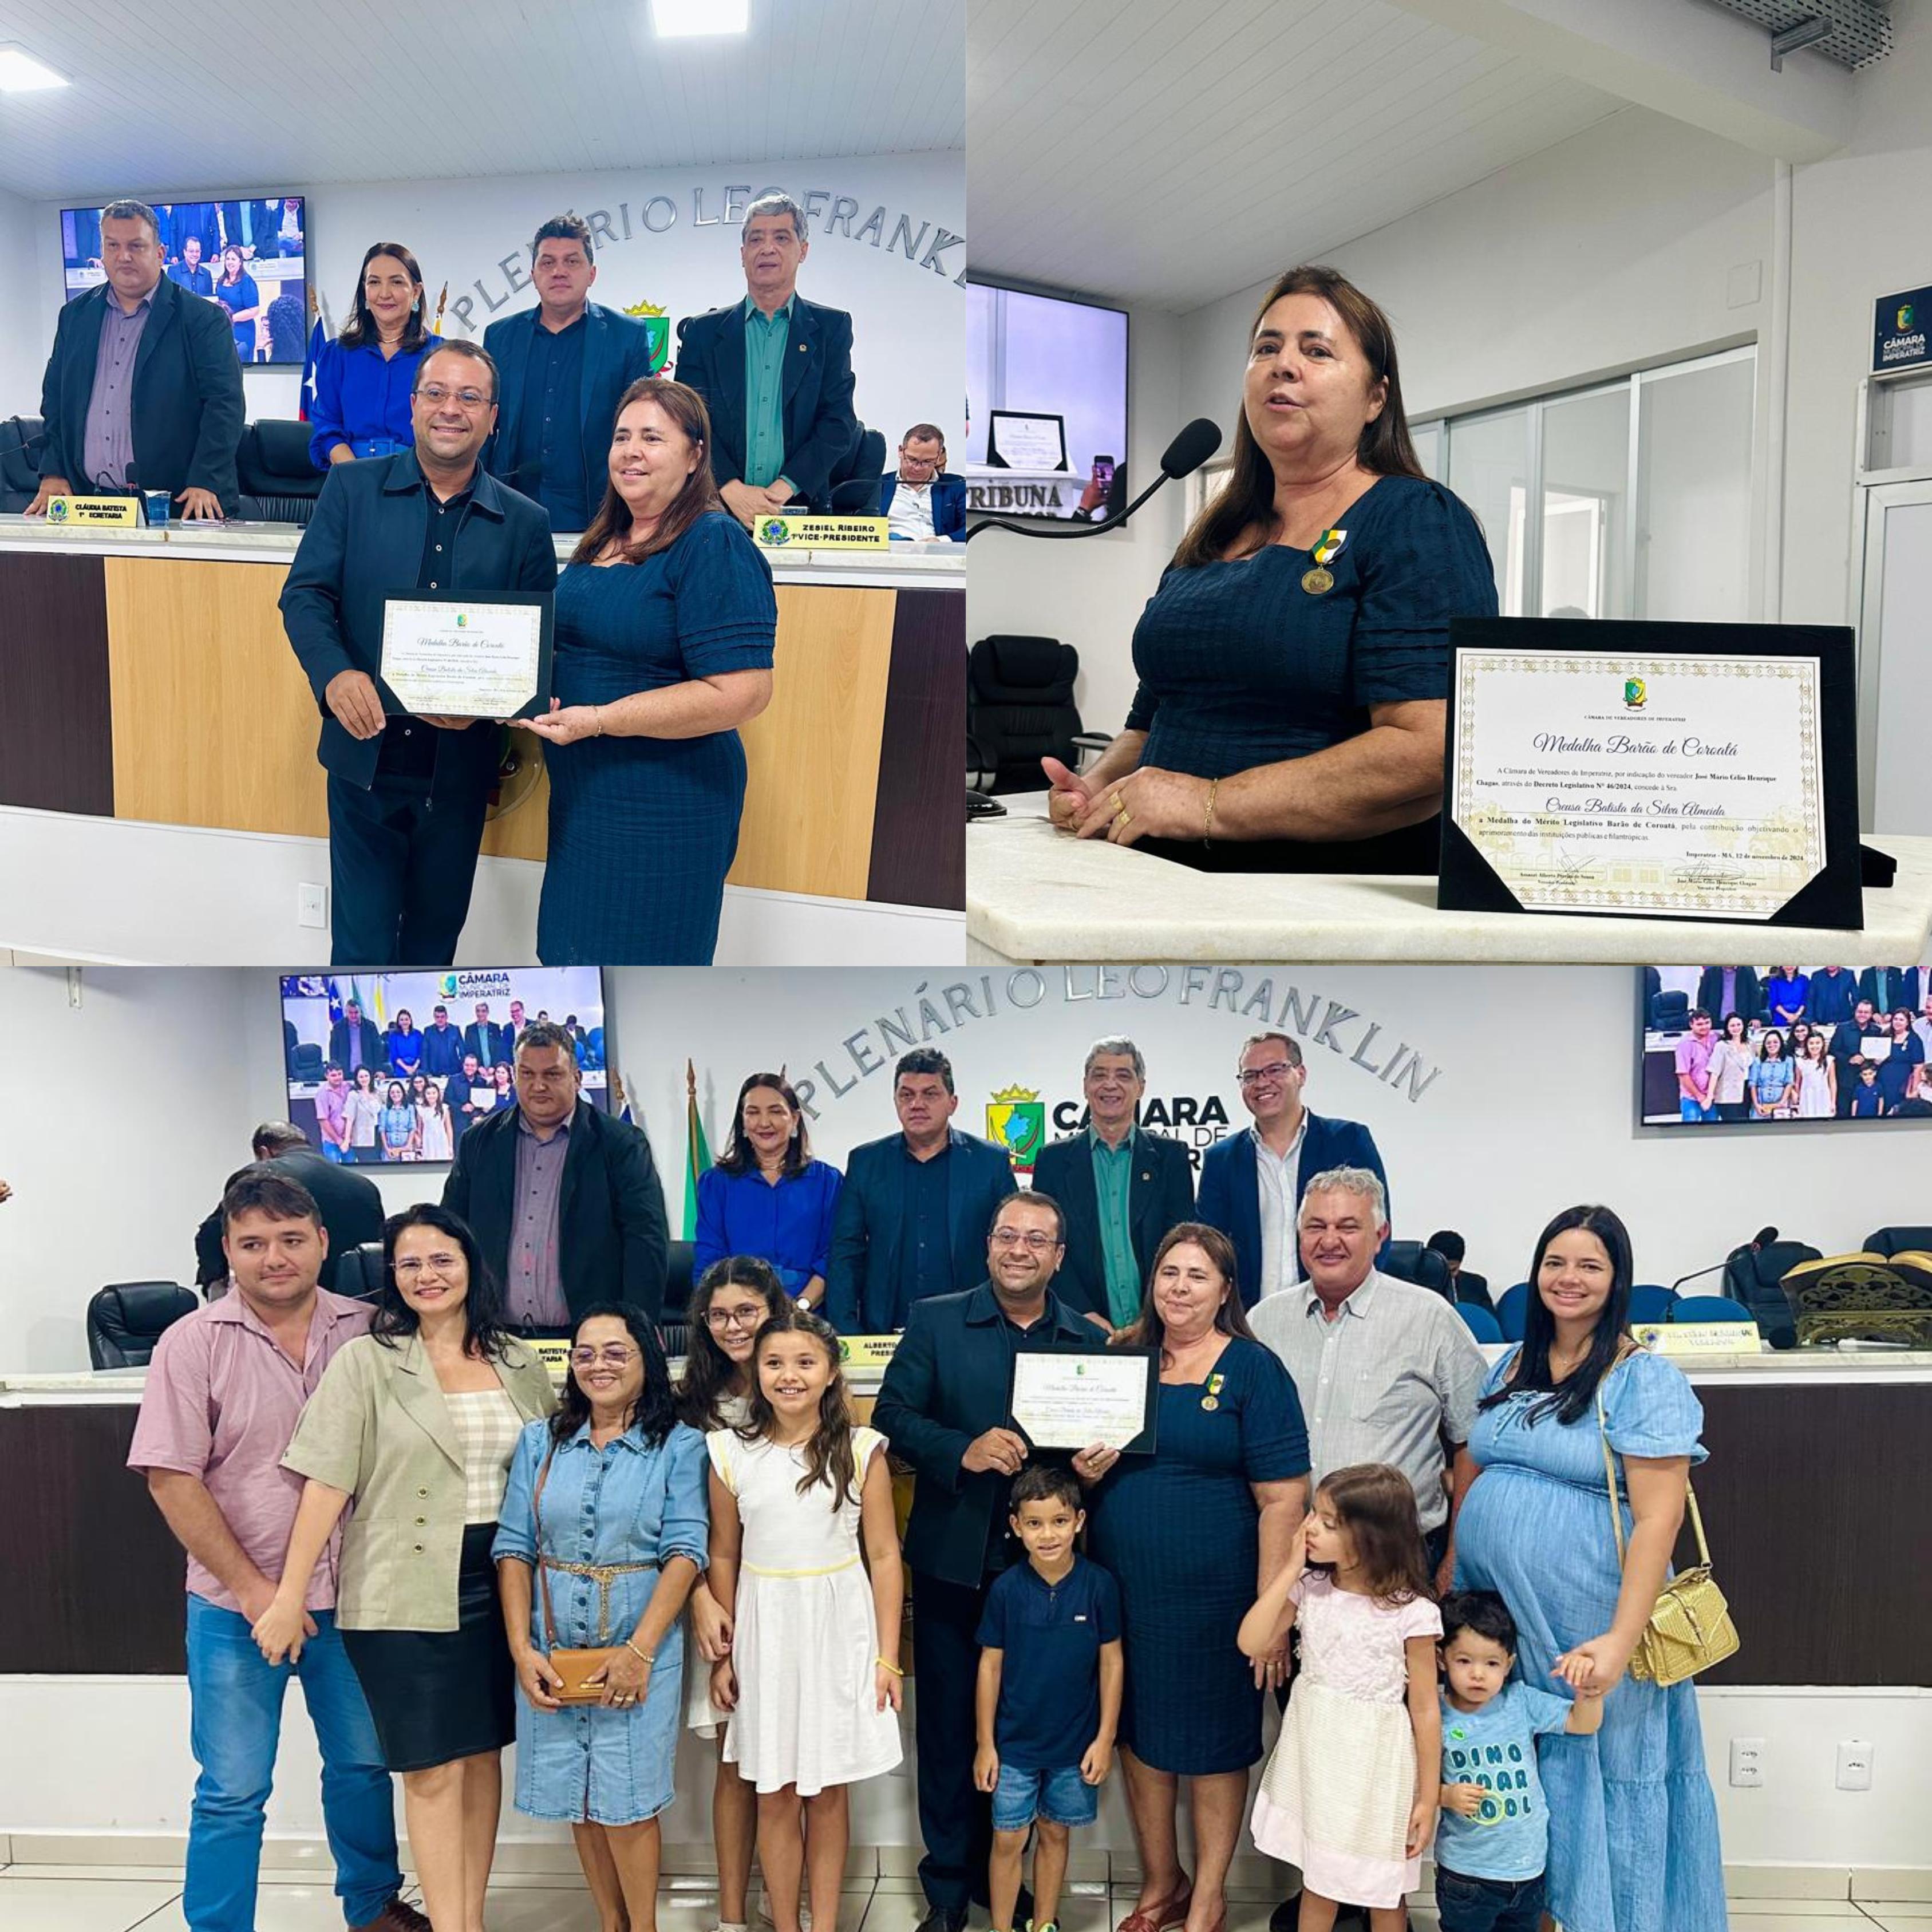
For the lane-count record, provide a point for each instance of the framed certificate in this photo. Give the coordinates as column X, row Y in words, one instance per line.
column 1068, row 1398
column 1016, row 440
column 1659, row 770
column 459, row 657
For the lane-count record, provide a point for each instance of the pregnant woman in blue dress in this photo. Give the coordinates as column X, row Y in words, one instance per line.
column 1294, row 660
column 1634, row 1843
column 665, row 619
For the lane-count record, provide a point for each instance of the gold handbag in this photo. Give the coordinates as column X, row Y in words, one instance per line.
column 576, row 1667
column 1690, row 1627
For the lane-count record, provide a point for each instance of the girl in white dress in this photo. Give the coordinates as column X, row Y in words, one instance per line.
column 813, row 1680
column 1351, row 1793
column 434, row 1125
column 1817, row 1080
column 734, row 1298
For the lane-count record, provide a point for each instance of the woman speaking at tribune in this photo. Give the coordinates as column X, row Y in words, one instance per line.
column 1294, row 660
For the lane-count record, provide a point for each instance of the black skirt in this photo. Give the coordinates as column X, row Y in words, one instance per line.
column 439, row 1695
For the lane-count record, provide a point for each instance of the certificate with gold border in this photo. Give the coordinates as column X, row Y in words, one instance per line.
column 1686, row 785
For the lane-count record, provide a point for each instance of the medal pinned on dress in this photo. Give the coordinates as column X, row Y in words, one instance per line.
column 1211, row 1400
column 1319, row 581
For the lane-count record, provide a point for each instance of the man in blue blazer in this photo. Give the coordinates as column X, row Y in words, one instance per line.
column 931, row 501
column 775, row 372
column 945, row 1406
column 913, row 1212
column 1120, row 1188
column 407, row 795
column 564, row 365
column 171, row 410
column 1251, row 1183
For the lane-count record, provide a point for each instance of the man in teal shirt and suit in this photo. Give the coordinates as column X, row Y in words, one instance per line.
column 775, row 373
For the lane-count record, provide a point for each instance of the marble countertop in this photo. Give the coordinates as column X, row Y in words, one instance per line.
column 1034, row 894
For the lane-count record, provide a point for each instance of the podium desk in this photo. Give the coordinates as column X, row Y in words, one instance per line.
column 144, row 677
column 1034, row 894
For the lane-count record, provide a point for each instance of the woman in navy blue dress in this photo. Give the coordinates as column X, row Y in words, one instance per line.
column 363, row 379
column 1294, row 660
column 237, row 293
column 1192, row 1535
column 766, row 1196
column 665, row 619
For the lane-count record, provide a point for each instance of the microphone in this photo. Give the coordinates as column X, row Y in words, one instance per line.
column 1762, row 1238
column 1182, row 457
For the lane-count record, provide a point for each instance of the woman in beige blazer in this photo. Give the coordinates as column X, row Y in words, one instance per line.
column 414, row 1424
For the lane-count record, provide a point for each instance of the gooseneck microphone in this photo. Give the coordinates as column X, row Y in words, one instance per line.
column 1184, row 455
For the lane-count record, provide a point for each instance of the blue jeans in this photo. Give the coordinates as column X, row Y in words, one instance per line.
column 1488, row 1904
column 1061, row 1797
column 236, row 1700
column 1689, row 1111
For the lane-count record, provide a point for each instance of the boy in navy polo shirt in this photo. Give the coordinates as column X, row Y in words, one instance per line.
column 1491, row 1842
column 1049, row 1692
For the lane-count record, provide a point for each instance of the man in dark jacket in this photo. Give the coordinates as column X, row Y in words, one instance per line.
column 350, row 1205
column 775, row 373
column 1251, row 1183
column 945, row 1407
column 912, row 1214
column 407, row 795
column 356, row 1041
column 143, row 391
column 564, row 1201
column 1120, row 1187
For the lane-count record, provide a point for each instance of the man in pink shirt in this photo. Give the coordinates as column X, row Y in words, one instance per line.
column 1693, row 1069
column 223, row 1392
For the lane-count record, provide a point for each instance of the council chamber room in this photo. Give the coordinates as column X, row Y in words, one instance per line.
column 217, row 751
column 743, row 1144
column 1622, row 353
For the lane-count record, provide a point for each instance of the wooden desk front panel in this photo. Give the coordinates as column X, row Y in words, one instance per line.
column 1819, row 1519
column 213, row 725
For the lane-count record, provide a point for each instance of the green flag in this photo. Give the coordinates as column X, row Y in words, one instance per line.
column 697, row 1154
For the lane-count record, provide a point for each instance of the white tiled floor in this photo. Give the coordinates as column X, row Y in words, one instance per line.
column 79, row 1898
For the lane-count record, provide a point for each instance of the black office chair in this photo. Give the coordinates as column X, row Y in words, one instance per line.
column 1411, row 1260
column 127, row 1318
column 307, row 1064
column 279, row 485
column 677, row 1282
column 359, row 1272
column 1020, row 708
column 1670, row 1012
column 1755, row 1276
column 1890, row 1241
column 853, row 488
column 19, row 462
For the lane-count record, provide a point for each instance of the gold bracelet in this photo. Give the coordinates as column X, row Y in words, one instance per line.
column 649, row 1657
column 1207, row 830
column 883, row 1665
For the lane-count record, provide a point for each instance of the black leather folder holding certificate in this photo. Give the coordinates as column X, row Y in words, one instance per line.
column 1072, row 1398
column 467, row 657
column 1654, row 770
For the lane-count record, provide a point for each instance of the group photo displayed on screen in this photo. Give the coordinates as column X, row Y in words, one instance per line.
column 250, row 257
column 395, row 1067
column 1735, row 1045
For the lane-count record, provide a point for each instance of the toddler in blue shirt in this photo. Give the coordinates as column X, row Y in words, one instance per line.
column 1494, row 1834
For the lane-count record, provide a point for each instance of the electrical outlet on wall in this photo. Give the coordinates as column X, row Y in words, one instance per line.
column 311, row 906
column 1747, row 1762
column 1855, row 1765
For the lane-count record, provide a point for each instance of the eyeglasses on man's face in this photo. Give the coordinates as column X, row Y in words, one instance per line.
column 1037, row 1239
column 436, row 395
column 1256, row 1076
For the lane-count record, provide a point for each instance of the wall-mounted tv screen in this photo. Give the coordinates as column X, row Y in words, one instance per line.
column 1046, row 404
column 1765, row 1046
column 251, row 257
column 395, row 1066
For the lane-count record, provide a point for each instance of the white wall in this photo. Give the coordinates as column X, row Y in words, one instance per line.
column 1089, row 592
column 1858, row 232
column 1517, row 1097
column 908, row 320
column 21, row 358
